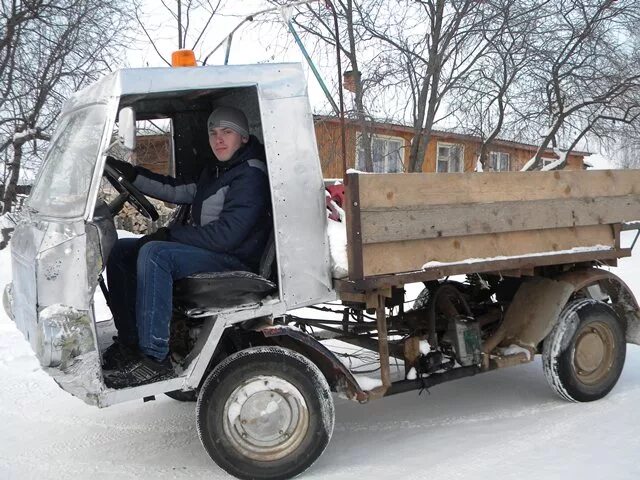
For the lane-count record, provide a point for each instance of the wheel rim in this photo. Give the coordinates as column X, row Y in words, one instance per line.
column 594, row 353
column 266, row 418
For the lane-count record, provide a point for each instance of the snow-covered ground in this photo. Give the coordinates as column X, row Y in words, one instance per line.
column 506, row 424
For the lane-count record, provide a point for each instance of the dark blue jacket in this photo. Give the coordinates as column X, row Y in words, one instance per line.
column 230, row 204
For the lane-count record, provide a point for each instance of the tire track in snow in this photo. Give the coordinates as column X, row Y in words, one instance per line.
column 463, row 454
column 35, row 414
column 448, row 421
column 97, row 468
column 547, row 431
column 100, row 449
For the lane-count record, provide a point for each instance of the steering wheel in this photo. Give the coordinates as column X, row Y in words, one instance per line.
column 128, row 193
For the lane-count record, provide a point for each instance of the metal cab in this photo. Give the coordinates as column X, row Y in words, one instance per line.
column 63, row 238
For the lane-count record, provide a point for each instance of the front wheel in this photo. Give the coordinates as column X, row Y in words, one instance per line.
column 265, row 413
column 584, row 354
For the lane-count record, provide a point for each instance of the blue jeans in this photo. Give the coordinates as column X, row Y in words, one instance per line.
column 141, row 287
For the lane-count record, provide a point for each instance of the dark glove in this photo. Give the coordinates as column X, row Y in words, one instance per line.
column 163, row 234
column 127, row 170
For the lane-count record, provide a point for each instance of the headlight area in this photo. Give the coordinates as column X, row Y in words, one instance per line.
column 7, row 301
column 63, row 334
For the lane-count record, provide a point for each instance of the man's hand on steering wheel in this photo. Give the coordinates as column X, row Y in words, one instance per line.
column 127, row 170
column 121, row 176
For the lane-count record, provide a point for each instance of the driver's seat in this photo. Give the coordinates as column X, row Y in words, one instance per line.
column 228, row 289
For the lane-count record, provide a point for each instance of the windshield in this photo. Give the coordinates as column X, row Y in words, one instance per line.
column 62, row 187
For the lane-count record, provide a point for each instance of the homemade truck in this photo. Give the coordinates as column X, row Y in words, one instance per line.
column 529, row 244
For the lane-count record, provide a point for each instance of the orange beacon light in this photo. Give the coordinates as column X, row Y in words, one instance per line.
column 183, row 58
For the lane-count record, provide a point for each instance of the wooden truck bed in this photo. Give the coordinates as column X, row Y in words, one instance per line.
column 404, row 228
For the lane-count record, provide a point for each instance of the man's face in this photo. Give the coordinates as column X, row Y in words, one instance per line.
column 225, row 142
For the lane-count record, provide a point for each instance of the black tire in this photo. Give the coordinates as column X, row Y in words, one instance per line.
column 422, row 299
column 265, row 413
column 183, row 396
column 584, row 354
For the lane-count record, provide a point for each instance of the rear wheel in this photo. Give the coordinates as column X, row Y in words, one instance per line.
column 421, row 300
column 265, row 413
column 584, row 354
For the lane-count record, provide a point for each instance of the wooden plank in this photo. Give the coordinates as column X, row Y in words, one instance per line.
column 420, row 189
column 466, row 219
column 354, row 234
column 411, row 255
column 411, row 353
column 352, row 297
column 617, row 228
column 494, row 266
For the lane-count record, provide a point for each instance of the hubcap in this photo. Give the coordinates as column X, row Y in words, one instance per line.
column 594, row 353
column 266, row 418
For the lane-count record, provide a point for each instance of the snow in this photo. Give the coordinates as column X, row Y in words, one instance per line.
column 528, row 165
column 468, row 261
column 555, row 164
column 516, row 349
column 7, row 221
column 564, row 328
column 599, row 162
column 286, row 12
column 367, row 383
column 26, row 133
column 504, row 424
column 337, row 232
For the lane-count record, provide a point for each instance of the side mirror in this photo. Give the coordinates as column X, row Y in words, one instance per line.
column 127, row 128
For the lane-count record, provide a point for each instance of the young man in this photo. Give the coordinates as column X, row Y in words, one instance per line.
column 230, row 205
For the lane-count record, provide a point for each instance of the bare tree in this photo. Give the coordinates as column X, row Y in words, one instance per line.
column 434, row 45
column 485, row 102
column 556, row 69
column 50, row 49
column 584, row 75
column 190, row 18
column 627, row 153
column 316, row 25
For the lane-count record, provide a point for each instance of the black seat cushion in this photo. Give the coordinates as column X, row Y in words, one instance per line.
column 221, row 289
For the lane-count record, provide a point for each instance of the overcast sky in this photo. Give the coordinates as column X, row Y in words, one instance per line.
column 260, row 41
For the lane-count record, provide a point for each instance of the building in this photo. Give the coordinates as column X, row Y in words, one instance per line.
column 446, row 151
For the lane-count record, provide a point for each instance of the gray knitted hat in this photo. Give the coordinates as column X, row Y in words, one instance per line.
column 228, row 117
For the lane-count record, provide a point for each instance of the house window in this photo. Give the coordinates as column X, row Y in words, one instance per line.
column 386, row 154
column 450, row 158
column 499, row 161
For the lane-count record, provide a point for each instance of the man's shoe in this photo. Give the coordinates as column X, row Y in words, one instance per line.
column 140, row 371
column 117, row 355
